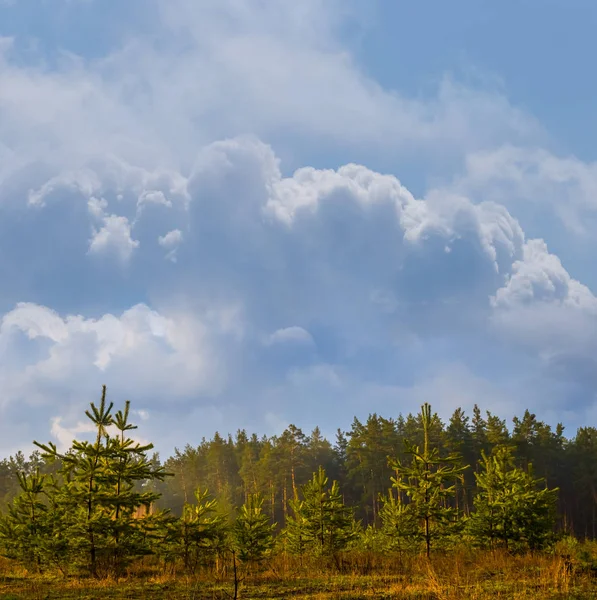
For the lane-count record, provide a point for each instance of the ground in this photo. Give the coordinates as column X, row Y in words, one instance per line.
column 458, row 576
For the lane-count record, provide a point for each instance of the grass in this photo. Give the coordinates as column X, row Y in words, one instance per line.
column 458, row 575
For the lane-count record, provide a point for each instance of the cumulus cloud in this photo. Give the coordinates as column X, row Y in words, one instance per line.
column 114, row 237
column 158, row 360
column 117, row 345
column 542, row 308
column 171, row 239
column 348, row 256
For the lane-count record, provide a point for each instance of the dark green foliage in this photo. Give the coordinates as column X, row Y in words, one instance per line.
column 398, row 524
column 429, row 480
column 321, row 524
column 26, row 527
column 78, row 510
column 252, row 532
column 197, row 536
column 511, row 507
column 94, row 498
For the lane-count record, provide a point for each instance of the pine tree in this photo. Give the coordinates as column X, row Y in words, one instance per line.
column 321, row 523
column 23, row 529
column 367, row 453
column 295, row 534
column 197, row 536
column 479, row 433
column 510, row 506
column 97, row 495
column 497, row 433
column 429, row 481
column 252, row 532
column 131, row 470
column 459, row 440
column 398, row 525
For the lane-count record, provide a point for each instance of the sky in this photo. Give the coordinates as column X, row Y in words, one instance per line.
column 245, row 214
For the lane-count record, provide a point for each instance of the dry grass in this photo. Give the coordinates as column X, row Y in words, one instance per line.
column 458, row 575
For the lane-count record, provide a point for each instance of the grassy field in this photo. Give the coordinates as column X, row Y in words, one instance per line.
column 459, row 575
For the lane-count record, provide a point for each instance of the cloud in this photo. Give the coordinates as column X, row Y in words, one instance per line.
column 562, row 186
column 109, row 162
column 114, row 237
column 170, row 241
column 349, row 256
column 290, row 335
column 140, row 354
column 552, row 316
column 200, row 72
column 65, row 435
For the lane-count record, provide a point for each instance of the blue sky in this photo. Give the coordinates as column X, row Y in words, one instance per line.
column 239, row 213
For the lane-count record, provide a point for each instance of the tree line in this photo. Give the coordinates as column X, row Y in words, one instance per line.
column 410, row 484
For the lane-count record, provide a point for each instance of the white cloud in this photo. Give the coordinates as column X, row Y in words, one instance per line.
column 114, row 237
column 290, row 335
column 539, row 277
column 348, row 254
column 202, row 72
column 565, row 186
column 351, row 251
column 140, row 348
column 171, row 241
column 153, row 197
column 541, row 305
column 64, row 436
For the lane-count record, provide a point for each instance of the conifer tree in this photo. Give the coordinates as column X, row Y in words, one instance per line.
column 131, row 468
column 252, row 532
column 429, row 481
column 22, row 530
column 197, row 535
column 96, row 493
column 459, row 439
column 295, row 534
column 398, row 524
column 510, row 506
column 479, row 432
column 321, row 523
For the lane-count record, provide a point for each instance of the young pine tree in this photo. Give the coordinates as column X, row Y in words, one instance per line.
column 295, row 534
column 97, row 494
column 252, row 532
column 197, row 536
column 511, row 508
column 23, row 530
column 429, row 482
column 321, row 523
column 398, row 525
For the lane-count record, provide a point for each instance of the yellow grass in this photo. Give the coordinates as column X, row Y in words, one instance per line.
column 458, row 575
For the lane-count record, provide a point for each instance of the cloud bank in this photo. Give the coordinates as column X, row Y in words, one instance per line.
column 163, row 233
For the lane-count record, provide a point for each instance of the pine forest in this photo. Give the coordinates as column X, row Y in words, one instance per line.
column 409, row 507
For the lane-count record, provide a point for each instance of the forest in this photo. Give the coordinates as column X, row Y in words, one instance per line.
column 406, row 507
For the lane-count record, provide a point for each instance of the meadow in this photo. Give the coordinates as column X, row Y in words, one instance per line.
column 462, row 574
